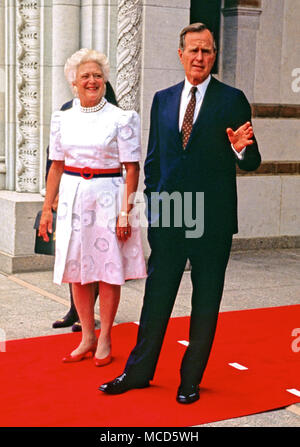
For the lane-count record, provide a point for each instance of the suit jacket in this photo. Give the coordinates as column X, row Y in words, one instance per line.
column 208, row 164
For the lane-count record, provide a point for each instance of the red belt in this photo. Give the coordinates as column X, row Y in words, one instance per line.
column 88, row 173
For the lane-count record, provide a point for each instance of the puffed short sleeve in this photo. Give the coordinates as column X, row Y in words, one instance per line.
column 55, row 149
column 129, row 137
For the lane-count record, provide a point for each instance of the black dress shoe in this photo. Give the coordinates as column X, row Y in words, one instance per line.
column 187, row 394
column 77, row 327
column 67, row 320
column 122, row 384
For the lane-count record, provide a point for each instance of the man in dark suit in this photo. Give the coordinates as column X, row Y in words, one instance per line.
column 197, row 135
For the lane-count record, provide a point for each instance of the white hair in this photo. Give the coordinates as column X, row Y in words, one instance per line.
column 82, row 56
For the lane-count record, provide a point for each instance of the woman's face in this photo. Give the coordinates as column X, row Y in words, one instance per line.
column 90, row 84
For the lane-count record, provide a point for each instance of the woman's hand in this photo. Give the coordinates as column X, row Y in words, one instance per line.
column 46, row 223
column 242, row 137
column 55, row 203
column 54, row 176
column 123, row 227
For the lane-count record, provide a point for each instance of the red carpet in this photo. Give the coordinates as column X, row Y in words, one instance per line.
column 38, row 390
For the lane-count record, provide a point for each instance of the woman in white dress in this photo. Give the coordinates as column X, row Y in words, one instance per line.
column 97, row 233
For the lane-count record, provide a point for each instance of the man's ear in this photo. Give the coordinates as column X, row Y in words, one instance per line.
column 180, row 54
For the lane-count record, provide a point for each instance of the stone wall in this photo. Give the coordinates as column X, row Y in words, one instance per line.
column 259, row 53
column 269, row 210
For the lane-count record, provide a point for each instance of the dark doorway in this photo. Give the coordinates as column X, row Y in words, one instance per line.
column 208, row 12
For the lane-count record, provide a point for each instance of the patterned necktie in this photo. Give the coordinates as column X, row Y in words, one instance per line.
column 188, row 118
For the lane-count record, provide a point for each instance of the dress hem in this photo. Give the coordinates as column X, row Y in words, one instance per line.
column 98, row 280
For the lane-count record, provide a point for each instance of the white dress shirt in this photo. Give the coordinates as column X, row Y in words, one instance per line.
column 185, row 98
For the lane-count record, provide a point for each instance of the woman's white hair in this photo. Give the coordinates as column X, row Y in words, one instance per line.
column 82, row 56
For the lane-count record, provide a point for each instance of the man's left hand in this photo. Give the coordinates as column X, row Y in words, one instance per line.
column 242, row 137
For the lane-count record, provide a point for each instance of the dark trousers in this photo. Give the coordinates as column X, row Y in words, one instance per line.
column 170, row 251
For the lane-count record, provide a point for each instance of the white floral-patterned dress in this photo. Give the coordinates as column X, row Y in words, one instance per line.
column 87, row 247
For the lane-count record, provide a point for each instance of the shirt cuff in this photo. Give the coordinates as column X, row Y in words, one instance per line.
column 240, row 155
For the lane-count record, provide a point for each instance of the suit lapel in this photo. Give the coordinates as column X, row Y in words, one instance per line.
column 206, row 113
column 207, row 110
column 173, row 110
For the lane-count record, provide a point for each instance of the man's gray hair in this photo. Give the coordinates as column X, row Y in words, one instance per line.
column 194, row 28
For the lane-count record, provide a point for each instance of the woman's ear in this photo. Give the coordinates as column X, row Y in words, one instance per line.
column 74, row 87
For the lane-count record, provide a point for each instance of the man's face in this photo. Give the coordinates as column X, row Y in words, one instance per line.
column 198, row 56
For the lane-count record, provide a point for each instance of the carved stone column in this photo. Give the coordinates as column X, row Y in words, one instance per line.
column 94, row 24
column 27, row 95
column 129, row 53
column 65, row 41
column 241, row 22
column 38, row 37
column 2, row 97
column 10, row 93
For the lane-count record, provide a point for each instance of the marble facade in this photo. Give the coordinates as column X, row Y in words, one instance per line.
column 259, row 53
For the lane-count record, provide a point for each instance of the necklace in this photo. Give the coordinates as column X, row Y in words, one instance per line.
column 99, row 106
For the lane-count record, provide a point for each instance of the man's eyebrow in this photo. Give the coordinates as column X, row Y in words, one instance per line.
column 204, row 48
